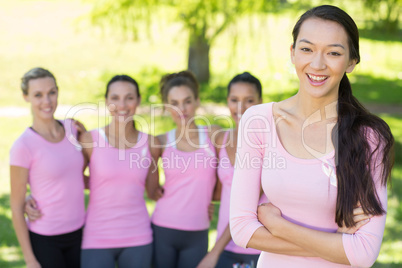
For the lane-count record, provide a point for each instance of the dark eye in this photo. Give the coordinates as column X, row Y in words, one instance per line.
column 250, row 101
column 334, row 53
column 233, row 100
column 305, row 49
column 38, row 95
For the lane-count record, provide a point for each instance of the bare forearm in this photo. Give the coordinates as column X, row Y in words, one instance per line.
column 211, row 259
column 222, row 242
column 21, row 231
column 86, row 182
column 322, row 244
column 263, row 240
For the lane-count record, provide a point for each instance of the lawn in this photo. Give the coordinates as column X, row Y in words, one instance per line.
column 83, row 58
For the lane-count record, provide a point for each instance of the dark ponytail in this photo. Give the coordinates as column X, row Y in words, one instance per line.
column 362, row 141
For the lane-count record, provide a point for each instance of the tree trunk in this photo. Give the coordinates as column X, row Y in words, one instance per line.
column 198, row 57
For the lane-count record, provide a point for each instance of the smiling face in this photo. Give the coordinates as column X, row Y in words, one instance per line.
column 321, row 57
column 122, row 100
column 42, row 94
column 182, row 104
column 241, row 96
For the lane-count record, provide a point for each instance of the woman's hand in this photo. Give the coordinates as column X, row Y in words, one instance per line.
column 80, row 127
column 209, row 261
column 33, row 264
column 360, row 220
column 31, row 209
column 158, row 193
column 269, row 215
column 211, row 209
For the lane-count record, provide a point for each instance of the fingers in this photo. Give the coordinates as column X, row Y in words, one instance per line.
column 31, row 210
column 361, row 217
column 358, row 211
column 211, row 209
column 80, row 127
column 158, row 193
column 32, row 213
column 31, row 203
column 361, row 224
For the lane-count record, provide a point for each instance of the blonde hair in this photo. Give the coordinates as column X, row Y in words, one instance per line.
column 34, row 73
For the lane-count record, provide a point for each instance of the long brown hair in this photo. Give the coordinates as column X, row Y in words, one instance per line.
column 361, row 140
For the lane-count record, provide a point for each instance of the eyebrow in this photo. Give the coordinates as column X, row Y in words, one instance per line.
column 330, row 45
column 50, row 89
column 187, row 98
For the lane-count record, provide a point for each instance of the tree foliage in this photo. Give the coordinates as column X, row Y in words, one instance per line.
column 204, row 20
column 386, row 13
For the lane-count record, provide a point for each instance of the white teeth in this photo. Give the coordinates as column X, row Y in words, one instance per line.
column 47, row 110
column 122, row 113
column 317, row 78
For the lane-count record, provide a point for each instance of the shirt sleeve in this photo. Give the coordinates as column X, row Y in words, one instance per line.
column 362, row 248
column 245, row 193
column 20, row 155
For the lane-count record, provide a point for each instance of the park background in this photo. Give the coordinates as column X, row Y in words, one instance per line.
column 84, row 49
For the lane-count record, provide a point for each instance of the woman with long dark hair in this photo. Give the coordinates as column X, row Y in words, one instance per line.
column 318, row 155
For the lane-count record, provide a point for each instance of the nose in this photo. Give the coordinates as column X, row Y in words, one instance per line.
column 182, row 107
column 47, row 99
column 241, row 108
column 121, row 104
column 318, row 61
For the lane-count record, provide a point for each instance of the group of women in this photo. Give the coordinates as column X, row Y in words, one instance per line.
column 324, row 207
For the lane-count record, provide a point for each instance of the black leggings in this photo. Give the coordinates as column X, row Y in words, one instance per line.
column 179, row 249
column 227, row 259
column 129, row 257
column 61, row 251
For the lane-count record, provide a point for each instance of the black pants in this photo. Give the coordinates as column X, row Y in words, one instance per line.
column 228, row 259
column 61, row 251
column 179, row 249
column 128, row 257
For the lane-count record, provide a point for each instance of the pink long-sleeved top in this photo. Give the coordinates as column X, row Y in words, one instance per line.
column 304, row 190
column 225, row 174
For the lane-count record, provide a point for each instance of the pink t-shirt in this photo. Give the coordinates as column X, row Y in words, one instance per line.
column 305, row 190
column 55, row 179
column 117, row 215
column 225, row 174
column 190, row 178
